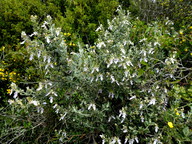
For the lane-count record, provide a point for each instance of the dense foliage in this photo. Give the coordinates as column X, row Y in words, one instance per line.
column 15, row 17
column 82, row 17
column 85, row 71
column 78, row 19
column 118, row 91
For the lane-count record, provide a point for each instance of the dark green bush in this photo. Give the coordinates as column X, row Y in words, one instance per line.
column 15, row 17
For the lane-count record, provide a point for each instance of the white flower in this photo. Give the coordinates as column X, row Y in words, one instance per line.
column 129, row 63
column 19, row 101
column 130, row 42
column 136, row 139
column 116, row 60
column 123, row 50
column 95, row 69
column 51, row 99
column 44, row 24
column 31, row 57
column 44, row 103
column 103, row 138
column 183, row 115
column 156, row 43
column 131, row 82
column 151, row 51
column 47, row 39
column 15, row 95
column 124, row 43
column 155, row 141
column 110, row 27
column 11, row 101
column 156, row 128
column 99, row 45
column 54, row 93
column 44, row 58
column 49, row 60
column 157, row 87
column 51, row 65
column 58, row 31
column 111, row 95
column 125, row 129
column 144, row 39
column 22, row 42
column 92, row 79
column 40, row 87
column 133, row 97
column 144, row 52
column 46, row 66
column 165, row 90
column 49, row 83
column 122, row 113
column 152, row 101
column 126, row 139
column 23, row 34
column 49, row 17
column 118, row 141
column 111, row 117
column 109, row 41
column 117, row 83
column 85, row 69
column 57, row 111
column 142, row 119
column 55, row 106
column 46, row 73
column 34, row 102
column 39, row 54
column 100, row 91
column 145, row 59
column 92, row 105
column 49, row 92
column 134, row 75
column 149, row 91
column 113, row 79
column 126, row 73
column 131, row 141
column 34, row 33
column 63, row 116
column 115, row 140
column 172, row 60
column 13, row 86
column 101, row 77
column 99, row 28
column 40, row 110
column 11, row 92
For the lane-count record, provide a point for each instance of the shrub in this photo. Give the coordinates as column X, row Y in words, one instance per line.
column 177, row 11
column 117, row 91
column 149, row 10
column 15, row 17
column 81, row 18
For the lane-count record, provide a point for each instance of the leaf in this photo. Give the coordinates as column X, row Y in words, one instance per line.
column 148, row 29
column 174, row 82
column 144, row 63
column 140, row 72
column 186, row 131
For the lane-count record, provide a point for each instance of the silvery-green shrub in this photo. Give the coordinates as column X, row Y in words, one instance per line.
column 117, row 91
